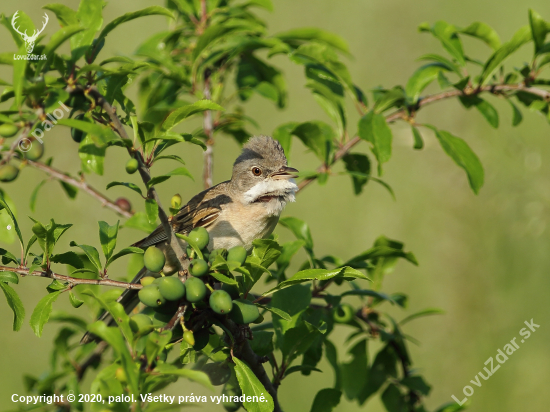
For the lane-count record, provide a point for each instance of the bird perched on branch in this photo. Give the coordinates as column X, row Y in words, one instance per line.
column 234, row 212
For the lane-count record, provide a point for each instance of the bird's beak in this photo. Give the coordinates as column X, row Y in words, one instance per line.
column 284, row 172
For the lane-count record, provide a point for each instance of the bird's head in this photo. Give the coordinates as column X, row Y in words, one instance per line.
column 261, row 174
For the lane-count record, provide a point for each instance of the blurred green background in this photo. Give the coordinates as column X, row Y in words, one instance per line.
column 484, row 259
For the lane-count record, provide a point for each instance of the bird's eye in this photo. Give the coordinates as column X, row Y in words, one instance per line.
column 256, row 171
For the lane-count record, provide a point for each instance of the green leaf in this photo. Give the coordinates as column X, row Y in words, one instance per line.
column 521, row 37
column 483, row 106
column 483, row 32
column 34, row 195
column 262, row 344
column 75, row 302
column 281, row 313
column 418, row 141
column 421, row 78
column 42, row 311
column 318, row 137
column 132, row 186
column 179, row 115
column 355, row 372
column 393, row 399
column 14, row 303
column 346, row 273
column 314, row 34
column 417, row 383
column 140, row 221
column 283, row 134
column 116, row 310
column 464, row 157
column 539, row 29
column 91, row 252
column 193, row 375
column 107, row 238
column 374, row 129
column 300, row 229
column 126, row 251
column 298, row 339
column 113, row 337
column 447, row 35
column 68, row 258
column 92, row 157
column 152, row 210
column 148, row 11
column 9, row 277
column 171, row 157
column 251, row 386
column 517, row 116
column 19, row 67
column 180, row 171
column 89, row 16
column 326, row 400
column 100, row 134
column 425, row 312
column 253, row 74
column 64, row 14
column 357, row 162
column 4, row 205
column 57, row 40
column 383, row 368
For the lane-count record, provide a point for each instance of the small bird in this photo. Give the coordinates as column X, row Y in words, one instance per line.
column 234, row 212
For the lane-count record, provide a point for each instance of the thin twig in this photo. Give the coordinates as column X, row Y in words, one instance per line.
column 144, row 173
column 402, row 114
column 81, row 184
column 208, row 131
column 72, row 280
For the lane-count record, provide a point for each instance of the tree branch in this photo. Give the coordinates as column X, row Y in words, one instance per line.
column 144, row 173
column 498, row 89
column 81, row 184
column 72, row 280
column 254, row 361
column 208, row 130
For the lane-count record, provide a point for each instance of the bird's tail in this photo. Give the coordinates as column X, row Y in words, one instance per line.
column 129, row 300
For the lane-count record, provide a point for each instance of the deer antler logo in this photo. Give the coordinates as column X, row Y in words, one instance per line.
column 29, row 40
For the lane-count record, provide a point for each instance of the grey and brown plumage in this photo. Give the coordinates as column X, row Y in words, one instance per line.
column 234, row 212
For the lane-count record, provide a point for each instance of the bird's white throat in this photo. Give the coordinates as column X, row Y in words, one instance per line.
column 283, row 191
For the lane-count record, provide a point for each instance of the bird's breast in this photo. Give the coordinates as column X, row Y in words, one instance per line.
column 240, row 225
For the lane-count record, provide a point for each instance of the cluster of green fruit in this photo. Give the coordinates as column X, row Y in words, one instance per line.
column 9, row 172
column 163, row 294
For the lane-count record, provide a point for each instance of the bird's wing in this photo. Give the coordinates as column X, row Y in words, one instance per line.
column 202, row 210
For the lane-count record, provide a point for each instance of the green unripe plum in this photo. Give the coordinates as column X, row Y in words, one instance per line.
column 132, row 166
column 198, row 267
column 154, row 259
column 175, row 202
column 36, row 150
column 232, row 290
column 220, row 302
column 200, row 236
column 8, row 130
column 189, row 337
column 244, row 311
column 140, row 323
column 147, row 280
column 236, row 254
column 195, row 290
column 219, row 373
column 8, row 173
column 343, row 313
column 232, row 389
column 171, row 288
column 150, row 296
